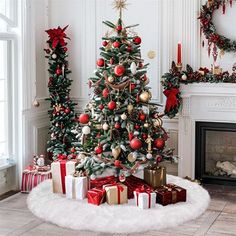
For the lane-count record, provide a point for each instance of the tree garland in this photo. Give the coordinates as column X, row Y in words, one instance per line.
column 215, row 40
column 171, row 82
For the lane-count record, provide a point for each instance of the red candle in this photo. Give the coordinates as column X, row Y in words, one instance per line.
column 179, row 52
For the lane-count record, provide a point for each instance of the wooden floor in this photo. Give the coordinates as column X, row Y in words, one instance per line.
column 218, row 220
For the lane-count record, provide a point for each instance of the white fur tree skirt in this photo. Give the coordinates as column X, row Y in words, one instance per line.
column 128, row 218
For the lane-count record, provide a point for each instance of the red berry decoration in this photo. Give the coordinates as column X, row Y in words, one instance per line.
column 84, row 118
column 98, row 149
column 119, row 27
column 135, row 144
column 72, row 149
column 101, row 107
column 117, row 163
column 117, row 125
column 159, row 143
column 112, row 105
column 132, row 86
column 65, row 49
column 58, row 71
column 116, row 44
column 142, row 116
column 100, row 62
column 105, row 92
column 159, row 158
column 104, row 43
column 119, row 70
column 129, row 48
column 140, row 64
column 67, row 110
column 144, row 136
column 137, row 126
column 137, row 40
column 47, row 51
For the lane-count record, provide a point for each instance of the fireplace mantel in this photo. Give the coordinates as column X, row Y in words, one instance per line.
column 202, row 102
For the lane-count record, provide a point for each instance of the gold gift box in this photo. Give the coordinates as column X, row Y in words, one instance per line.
column 155, row 176
column 216, row 70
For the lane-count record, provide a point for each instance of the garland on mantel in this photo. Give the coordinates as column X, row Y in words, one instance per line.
column 215, row 40
column 171, row 82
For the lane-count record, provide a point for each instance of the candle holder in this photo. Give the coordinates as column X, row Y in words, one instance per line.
column 179, row 67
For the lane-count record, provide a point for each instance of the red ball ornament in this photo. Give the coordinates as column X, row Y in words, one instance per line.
column 129, row 48
column 117, row 163
column 159, row 143
column 67, row 110
column 101, row 107
column 142, row 116
column 72, row 149
column 65, row 49
column 119, row 27
column 100, row 62
column 144, row 77
column 104, row 43
column 137, row 126
column 84, row 118
column 135, row 144
column 144, row 136
column 47, row 51
column 116, row 44
column 137, row 40
column 119, row 70
column 159, row 158
column 132, row 86
column 58, row 71
column 112, row 105
column 117, row 125
column 105, row 92
column 98, row 149
column 140, row 64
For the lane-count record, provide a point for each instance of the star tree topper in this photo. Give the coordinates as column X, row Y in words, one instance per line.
column 120, row 5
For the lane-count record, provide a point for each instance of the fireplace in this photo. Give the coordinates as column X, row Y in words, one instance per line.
column 215, row 152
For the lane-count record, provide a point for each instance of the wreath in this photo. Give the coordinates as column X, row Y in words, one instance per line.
column 215, row 40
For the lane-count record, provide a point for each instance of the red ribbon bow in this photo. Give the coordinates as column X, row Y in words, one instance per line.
column 172, row 100
column 144, row 189
column 57, row 36
column 204, row 69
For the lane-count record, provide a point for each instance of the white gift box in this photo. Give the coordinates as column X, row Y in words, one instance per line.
column 59, row 171
column 145, row 200
column 76, row 187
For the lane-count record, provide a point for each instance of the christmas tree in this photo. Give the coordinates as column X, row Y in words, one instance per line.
column 62, row 115
column 120, row 128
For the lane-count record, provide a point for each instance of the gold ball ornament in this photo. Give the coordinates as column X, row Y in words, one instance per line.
column 110, row 79
column 145, row 96
column 146, row 125
column 131, row 157
column 123, row 116
column 116, row 152
column 130, row 108
column 36, row 103
column 157, row 122
column 105, row 126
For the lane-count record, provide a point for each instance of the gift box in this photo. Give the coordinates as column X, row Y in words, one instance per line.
column 145, row 198
column 96, row 196
column 76, row 187
column 155, row 175
column 164, row 196
column 181, row 193
column 116, row 193
column 31, row 178
column 60, row 169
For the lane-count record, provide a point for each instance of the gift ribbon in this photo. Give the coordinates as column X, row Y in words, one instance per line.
column 63, row 174
column 143, row 189
column 119, row 189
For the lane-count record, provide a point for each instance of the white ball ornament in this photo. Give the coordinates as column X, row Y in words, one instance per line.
column 149, row 156
column 133, row 68
column 184, row 77
column 86, row 130
column 54, row 56
column 92, row 177
column 110, row 79
column 105, row 126
column 123, row 116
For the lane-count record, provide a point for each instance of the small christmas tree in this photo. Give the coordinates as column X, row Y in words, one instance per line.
column 120, row 128
column 62, row 115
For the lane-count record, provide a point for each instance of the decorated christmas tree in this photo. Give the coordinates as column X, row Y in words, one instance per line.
column 62, row 115
column 120, row 128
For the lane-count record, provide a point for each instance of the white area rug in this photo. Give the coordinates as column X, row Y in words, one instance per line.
column 128, row 218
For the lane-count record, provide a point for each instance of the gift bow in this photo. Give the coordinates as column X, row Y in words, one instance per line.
column 144, row 189
column 119, row 187
column 172, row 100
column 204, row 69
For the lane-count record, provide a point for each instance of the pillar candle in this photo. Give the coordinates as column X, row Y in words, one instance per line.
column 179, row 56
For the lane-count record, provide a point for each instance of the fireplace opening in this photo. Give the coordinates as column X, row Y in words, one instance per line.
column 215, row 152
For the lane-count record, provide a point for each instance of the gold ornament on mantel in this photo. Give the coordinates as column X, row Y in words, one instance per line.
column 151, row 54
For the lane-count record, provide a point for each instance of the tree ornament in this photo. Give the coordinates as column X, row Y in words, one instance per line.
column 117, row 125
column 101, row 106
column 144, row 136
column 129, row 48
column 86, row 130
column 73, row 149
column 158, row 158
column 133, row 68
column 111, row 79
column 132, row 86
column 58, row 71
column 122, row 178
column 104, row 43
column 105, row 92
column 130, row 108
column 65, row 49
column 67, row 110
column 137, row 126
column 81, row 156
column 111, row 61
column 119, row 70
column 146, row 82
column 105, row 126
column 117, row 163
column 47, row 51
column 119, row 28
column 137, row 40
column 149, row 156
column 116, row 44
column 131, row 157
column 84, row 118
column 112, row 105
column 142, row 116
column 98, row 149
column 135, row 144
column 149, row 143
column 184, row 77
column 159, row 143
column 144, row 96
column 93, row 176
column 146, row 125
column 116, row 152
column 157, row 122
column 100, row 62
column 36, row 103
column 130, row 135
column 54, row 56
column 123, row 116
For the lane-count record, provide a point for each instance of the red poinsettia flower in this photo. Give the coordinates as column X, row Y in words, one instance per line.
column 57, row 36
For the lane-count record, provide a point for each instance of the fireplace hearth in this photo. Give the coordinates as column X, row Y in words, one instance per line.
column 215, row 152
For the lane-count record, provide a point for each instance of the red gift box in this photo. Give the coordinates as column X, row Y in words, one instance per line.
column 96, row 196
column 31, row 178
column 181, row 192
column 164, row 196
